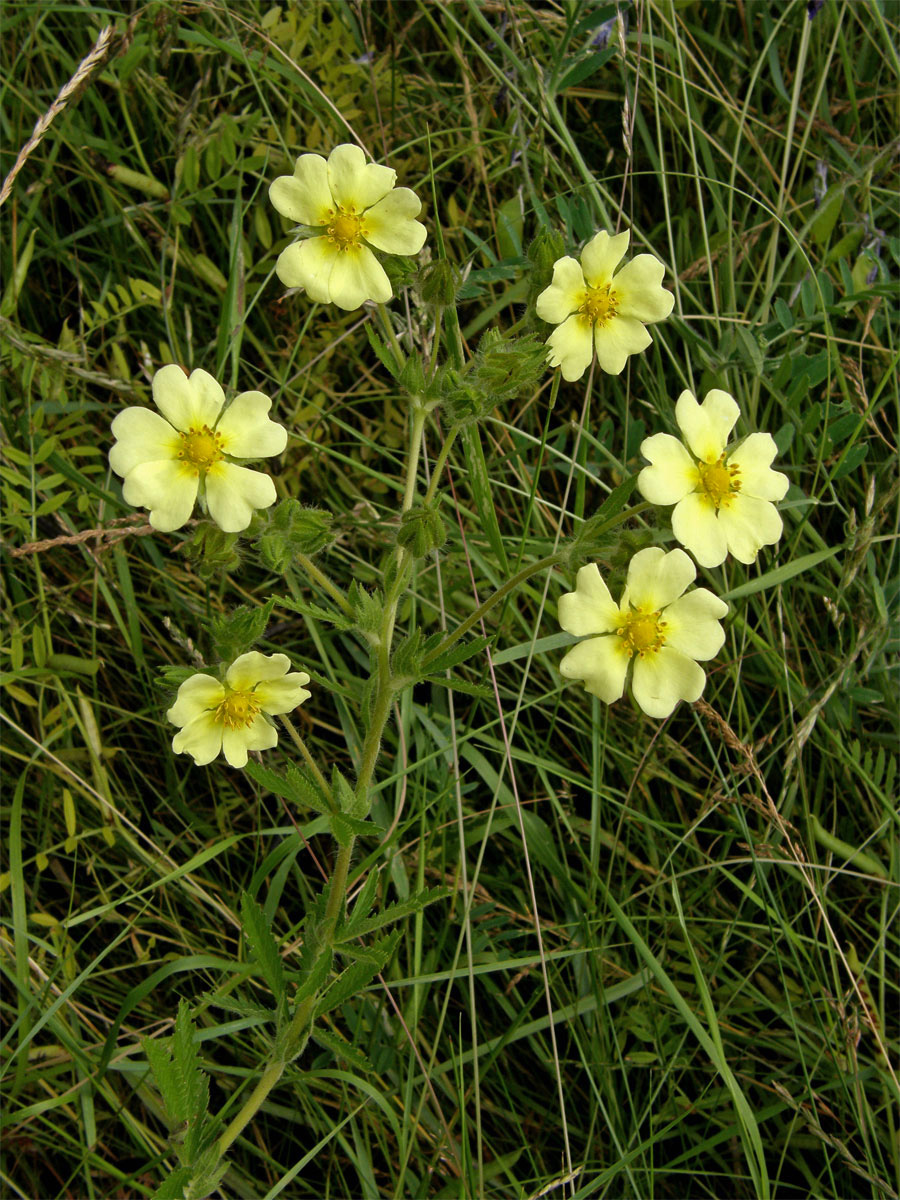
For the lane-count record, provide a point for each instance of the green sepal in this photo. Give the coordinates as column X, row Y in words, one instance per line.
column 235, row 633
column 171, row 678
column 422, row 529
column 544, row 251
column 293, row 529
column 211, row 550
column 504, row 368
column 439, row 283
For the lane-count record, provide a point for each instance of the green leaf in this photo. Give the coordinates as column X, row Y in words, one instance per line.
column 455, row 655
column 316, row 611
column 784, row 315
column 384, row 354
column 781, row 574
column 295, row 785
column 358, row 927
column 357, row 976
column 314, row 977
column 258, row 932
column 347, row 800
column 480, row 483
column 343, row 1049
column 172, row 1188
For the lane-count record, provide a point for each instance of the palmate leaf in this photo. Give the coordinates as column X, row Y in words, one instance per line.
column 357, row 976
column 258, row 932
column 356, row 927
column 182, row 1082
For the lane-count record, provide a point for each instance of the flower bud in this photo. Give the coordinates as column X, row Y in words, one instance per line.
column 422, row 530
column 293, row 530
column 440, row 281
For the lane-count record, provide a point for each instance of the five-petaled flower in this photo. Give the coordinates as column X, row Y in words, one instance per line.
column 723, row 502
column 167, row 460
column 347, row 206
column 597, row 310
column 231, row 716
column 662, row 631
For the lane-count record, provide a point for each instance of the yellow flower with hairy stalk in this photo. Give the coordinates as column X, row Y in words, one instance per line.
column 167, row 461
column 232, row 716
column 597, row 310
column 347, row 205
column 723, row 502
column 655, row 626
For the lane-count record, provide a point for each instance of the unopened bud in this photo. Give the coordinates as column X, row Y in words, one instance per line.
column 440, row 281
column 422, row 530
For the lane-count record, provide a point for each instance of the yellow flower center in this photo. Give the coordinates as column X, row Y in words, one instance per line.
column 200, row 448
column 719, row 482
column 346, row 228
column 600, row 304
column 642, row 632
column 238, row 710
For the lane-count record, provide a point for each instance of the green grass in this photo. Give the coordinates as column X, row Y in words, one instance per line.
column 668, row 961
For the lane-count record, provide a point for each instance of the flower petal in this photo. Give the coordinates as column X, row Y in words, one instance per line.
column 656, row 578
column 355, row 183
column 748, row 525
column 565, row 294
column 590, row 608
column 358, row 276
column 308, row 264
column 707, row 426
column 246, row 430
column 258, row 735
column 692, row 624
column 389, row 224
column 187, row 402
column 639, row 290
column 695, row 524
column 618, row 338
column 283, row 695
column 305, row 196
column 252, row 668
column 166, row 489
column 571, row 347
column 233, row 493
column 754, row 459
column 672, row 473
column 601, row 663
column 602, row 255
column 201, row 738
column 663, row 678
column 142, row 436
column 196, row 695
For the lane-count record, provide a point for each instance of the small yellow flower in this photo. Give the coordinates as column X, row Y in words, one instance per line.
column 166, row 461
column 231, row 716
column 723, row 502
column 347, row 206
column 597, row 310
column 655, row 627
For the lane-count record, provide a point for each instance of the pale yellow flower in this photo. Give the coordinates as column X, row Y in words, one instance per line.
column 723, row 501
column 167, row 461
column 597, row 310
column 347, row 206
column 231, row 716
column 655, row 626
